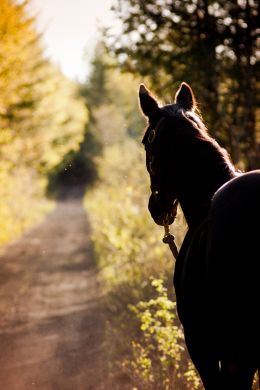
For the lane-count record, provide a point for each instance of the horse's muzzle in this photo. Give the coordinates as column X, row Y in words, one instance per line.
column 160, row 210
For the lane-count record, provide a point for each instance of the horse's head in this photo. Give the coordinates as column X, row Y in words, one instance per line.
column 162, row 202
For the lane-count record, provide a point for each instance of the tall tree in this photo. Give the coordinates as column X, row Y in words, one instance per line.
column 240, row 68
column 205, row 42
column 42, row 117
column 36, row 100
column 111, row 95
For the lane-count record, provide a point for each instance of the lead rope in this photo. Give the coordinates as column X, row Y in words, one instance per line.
column 170, row 240
column 168, row 237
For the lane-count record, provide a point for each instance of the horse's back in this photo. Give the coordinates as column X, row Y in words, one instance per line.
column 234, row 219
column 233, row 260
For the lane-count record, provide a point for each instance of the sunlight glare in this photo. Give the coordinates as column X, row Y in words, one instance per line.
column 70, row 29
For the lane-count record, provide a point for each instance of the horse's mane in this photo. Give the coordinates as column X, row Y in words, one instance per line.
column 193, row 130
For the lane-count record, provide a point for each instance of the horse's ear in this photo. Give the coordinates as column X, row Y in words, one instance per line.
column 148, row 103
column 185, row 98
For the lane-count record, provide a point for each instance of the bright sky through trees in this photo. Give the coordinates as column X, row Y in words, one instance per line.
column 70, row 30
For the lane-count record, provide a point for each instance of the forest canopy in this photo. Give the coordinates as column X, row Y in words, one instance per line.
column 210, row 44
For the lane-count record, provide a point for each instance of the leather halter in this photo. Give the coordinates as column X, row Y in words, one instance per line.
column 151, row 137
column 168, row 237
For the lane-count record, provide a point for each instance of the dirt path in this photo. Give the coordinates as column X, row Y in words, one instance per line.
column 51, row 322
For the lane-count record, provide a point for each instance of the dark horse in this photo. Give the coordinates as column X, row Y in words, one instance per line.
column 217, row 274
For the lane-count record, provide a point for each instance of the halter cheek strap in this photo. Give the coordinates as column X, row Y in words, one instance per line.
column 168, row 237
column 152, row 134
column 150, row 139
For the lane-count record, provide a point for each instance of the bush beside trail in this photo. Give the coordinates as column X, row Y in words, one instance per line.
column 145, row 338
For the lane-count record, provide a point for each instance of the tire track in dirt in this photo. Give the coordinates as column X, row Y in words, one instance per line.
column 51, row 307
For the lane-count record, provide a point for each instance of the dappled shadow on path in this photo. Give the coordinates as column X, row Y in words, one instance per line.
column 52, row 322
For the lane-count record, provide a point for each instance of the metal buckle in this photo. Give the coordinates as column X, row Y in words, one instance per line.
column 151, row 136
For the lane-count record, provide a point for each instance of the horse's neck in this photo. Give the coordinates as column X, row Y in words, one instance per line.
column 197, row 191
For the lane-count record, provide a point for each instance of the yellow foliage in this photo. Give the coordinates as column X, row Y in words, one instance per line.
column 22, row 203
column 59, row 119
column 41, row 120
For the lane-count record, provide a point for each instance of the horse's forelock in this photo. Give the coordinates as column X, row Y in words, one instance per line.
column 176, row 110
column 172, row 110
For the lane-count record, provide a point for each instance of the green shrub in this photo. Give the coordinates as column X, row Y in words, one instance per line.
column 158, row 355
